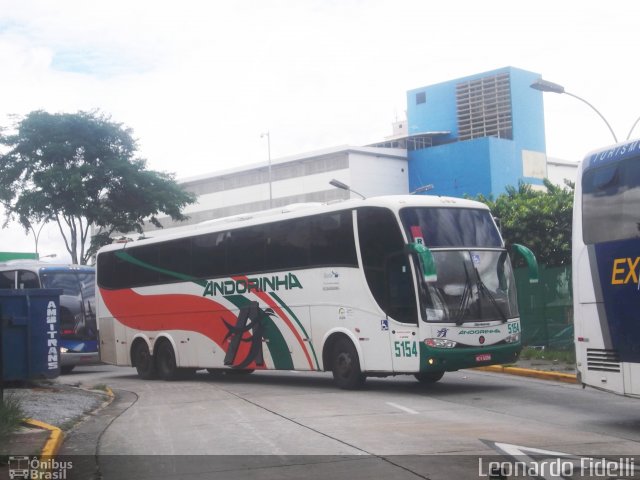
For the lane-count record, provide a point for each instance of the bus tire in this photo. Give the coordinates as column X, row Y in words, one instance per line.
column 143, row 361
column 66, row 369
column 429, row 377
column 346, row 366
column 166, row 364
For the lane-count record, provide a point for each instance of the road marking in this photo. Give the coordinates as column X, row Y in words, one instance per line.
column 400, row 407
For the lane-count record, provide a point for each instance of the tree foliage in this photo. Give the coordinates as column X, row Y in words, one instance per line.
column 540, row 220
column 80, row 170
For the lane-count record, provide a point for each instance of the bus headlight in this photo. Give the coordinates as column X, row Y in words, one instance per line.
column 63, row 350
column 439, row 343
column 513, row 338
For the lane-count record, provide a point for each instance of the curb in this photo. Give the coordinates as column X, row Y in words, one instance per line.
column 53, row 443
column 56, row 436
column 526, row 372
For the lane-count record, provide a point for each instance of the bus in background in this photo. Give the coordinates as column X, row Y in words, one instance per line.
column 78, row 334
column 606, row 268
column 417, row 285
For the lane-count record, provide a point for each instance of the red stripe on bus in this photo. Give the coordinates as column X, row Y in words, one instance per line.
column 175, row 312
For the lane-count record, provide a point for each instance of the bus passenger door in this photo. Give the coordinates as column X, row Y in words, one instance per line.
column 402, row 315
column 405, row 350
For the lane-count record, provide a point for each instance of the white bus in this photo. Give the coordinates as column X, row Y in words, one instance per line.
column 606, row 268
column 416, row 285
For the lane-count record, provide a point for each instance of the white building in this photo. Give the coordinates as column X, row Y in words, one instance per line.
column 560, row 170
column 302, row 178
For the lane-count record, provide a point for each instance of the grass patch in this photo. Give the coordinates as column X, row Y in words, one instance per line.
column 561, row 356
column 11, row 416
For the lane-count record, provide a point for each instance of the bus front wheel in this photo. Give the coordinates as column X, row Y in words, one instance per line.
column 143, row 361
column 429, row 377
column 346, row 366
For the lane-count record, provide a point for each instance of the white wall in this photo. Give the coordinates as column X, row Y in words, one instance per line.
column 281, row 188
column 373, row 176
column 559, row 170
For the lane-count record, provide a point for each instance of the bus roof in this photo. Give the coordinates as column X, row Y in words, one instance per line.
column 34, row 265
column 611, row 154
column 393, row 202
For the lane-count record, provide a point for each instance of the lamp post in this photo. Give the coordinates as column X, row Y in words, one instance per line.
column 547, row 86
column 262, row 135
column 632, row 127
column 344, row 186
column 36, row 236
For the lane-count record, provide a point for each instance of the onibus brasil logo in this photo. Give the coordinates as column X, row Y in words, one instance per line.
column 34, row 468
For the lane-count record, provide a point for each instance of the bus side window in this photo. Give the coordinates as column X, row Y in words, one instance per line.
column 8, row 279
column 27, row 279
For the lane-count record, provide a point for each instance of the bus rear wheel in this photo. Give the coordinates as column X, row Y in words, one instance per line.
column 429, row 377
column 166, row 362
column 143, row 361
column 346, row 366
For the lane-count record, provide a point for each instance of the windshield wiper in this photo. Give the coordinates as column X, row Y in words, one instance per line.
column 464, row 300
column 482, row 288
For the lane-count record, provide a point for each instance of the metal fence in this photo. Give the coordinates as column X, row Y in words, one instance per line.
column 546, row 308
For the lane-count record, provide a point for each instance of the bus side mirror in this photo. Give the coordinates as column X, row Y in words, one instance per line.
column 427, row 262
column 530, row 258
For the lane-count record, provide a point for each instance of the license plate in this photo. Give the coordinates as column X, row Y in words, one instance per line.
column 483, row 357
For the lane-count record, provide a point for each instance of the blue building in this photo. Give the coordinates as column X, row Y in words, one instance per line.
column 476, row 134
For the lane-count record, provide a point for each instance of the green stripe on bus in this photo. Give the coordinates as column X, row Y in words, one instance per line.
column 187, row 278
column 276, row 343
column 293, row 315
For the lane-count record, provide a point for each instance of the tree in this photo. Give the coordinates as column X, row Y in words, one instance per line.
column 540, row 220
column 80, row 170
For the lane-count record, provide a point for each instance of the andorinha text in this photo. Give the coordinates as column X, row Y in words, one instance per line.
column 248, row 285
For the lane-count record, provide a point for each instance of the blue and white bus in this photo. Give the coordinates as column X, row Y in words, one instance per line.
column 78, row 329
column 606, row 268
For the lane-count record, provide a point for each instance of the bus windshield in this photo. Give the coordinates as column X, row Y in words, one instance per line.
column 472, row 286
column 451, row 227
column 475, row 280
column 611, row 202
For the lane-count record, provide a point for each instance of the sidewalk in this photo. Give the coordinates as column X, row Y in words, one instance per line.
column 52, row 408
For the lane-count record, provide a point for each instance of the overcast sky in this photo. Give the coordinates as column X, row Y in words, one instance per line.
column 199, row 81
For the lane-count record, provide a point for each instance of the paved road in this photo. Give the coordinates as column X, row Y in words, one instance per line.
column 275, row 425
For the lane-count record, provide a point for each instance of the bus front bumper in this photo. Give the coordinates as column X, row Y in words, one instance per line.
column 72, row 359
column 451, row 359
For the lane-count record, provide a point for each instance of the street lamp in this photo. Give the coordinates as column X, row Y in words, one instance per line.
column 262, row 135
column 632, row 127
column 423, row 188
column 547, row 86
column 344, row 186
column 36, row 236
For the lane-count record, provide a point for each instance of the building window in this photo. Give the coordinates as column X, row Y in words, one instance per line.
column 421, row 97
column 484, row 108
